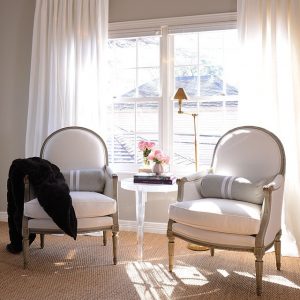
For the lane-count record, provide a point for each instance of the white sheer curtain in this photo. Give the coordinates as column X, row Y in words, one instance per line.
column 270, row 88
column 67, row 68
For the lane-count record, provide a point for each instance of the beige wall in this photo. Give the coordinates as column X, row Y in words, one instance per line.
column 16, row 22
column 130, row 10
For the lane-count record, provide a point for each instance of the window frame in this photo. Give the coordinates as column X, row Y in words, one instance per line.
column 166, row 27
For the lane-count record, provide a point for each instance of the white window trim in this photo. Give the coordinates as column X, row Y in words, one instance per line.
column 164, row 27
column 176, row 24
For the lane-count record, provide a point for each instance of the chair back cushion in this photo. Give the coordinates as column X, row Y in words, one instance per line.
column 75, row 148
column 91, row 180
column 250, row 152
column 231, row 187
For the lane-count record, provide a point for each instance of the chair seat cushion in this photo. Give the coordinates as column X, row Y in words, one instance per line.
column 86, row 205
column 220, row 215
column 83, row 224
column 212, row 237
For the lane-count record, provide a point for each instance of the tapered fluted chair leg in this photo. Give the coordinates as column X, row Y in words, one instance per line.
column 42, row 240
column 115, row 240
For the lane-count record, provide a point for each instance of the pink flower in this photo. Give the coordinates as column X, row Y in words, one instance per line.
column 145, row 145
column 159, row 157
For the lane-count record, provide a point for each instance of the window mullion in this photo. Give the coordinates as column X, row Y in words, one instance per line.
column 165, row 119
column 136, row 95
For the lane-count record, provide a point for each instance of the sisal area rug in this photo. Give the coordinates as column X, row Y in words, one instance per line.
column 83, row 269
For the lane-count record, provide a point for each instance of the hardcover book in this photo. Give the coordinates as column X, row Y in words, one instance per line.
column 152, row 178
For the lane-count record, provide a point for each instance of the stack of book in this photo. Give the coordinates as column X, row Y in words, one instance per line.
column 152, row 178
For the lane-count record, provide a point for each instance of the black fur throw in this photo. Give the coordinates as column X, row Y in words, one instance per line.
column 49, row 187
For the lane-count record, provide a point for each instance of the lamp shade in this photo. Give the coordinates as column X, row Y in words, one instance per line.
column 180, row 94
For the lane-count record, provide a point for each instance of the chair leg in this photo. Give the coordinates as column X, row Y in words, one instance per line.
column 42, row 240
column 104, row 237
column 277, row 246
column 25, row 242
column 259, row 270
column 115, row 241
column 171, row 246
column 212, row 251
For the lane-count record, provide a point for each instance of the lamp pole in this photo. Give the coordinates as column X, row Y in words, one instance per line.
column 195, row 142
column 195, row 136
column 180, row 95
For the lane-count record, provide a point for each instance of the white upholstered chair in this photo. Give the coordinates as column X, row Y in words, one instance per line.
column 80, row 154
column 238, row 205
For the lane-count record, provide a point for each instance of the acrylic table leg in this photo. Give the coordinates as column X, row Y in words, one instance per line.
column 141, row 198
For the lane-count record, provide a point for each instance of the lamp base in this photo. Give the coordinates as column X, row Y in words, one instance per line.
column 195, row 247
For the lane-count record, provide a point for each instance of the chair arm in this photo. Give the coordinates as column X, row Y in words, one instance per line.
column 111, row 183
column 271, row 211
column 188, row 186
column 275, row 184
column 28, row 190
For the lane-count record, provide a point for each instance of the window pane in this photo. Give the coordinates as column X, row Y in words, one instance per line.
column 211, row 82
column 185, row 47
column 148, row 82
column 120, row 149
column 124, row 117
column 187, row 78
column 123, row 137
column 148, row 52
column 147, row 117
column 211, row 62
column 122, row 83
column 231, row 63
column 184, row 150
column 122, row 53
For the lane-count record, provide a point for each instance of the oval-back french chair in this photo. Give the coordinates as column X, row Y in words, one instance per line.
column 238, row 205
column 82, row 157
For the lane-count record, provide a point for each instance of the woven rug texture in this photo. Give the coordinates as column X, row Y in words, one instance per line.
column 83, row 269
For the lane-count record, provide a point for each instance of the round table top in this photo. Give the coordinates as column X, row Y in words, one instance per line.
column 128, row 184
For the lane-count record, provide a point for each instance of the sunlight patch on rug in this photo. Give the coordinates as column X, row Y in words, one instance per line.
column 150, row 280
column 224, row 273
column 190, row 275
column 281, row 280
column 273, row 279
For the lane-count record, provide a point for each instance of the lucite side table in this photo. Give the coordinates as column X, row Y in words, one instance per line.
column 141, row 190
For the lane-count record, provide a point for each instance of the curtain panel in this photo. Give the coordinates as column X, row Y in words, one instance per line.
column 270, row 91
column 68, row 68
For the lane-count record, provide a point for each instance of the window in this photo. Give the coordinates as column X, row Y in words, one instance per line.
column 205, row 66
column 134, row 84
column 145, row 72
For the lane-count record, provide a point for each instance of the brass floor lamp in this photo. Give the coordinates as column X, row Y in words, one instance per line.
column 180, row 96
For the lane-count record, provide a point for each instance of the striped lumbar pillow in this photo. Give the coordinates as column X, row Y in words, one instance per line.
column 91, row 180
column 230, row 187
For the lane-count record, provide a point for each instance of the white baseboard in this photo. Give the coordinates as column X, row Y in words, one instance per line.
column 160, row 228
column 125, row 225
column 3, row 216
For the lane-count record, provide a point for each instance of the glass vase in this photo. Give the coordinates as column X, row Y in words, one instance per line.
column 146, row 161
column 145, row 168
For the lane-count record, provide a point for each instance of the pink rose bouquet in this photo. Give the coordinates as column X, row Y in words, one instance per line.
column 159, row 157
column 146, row 147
